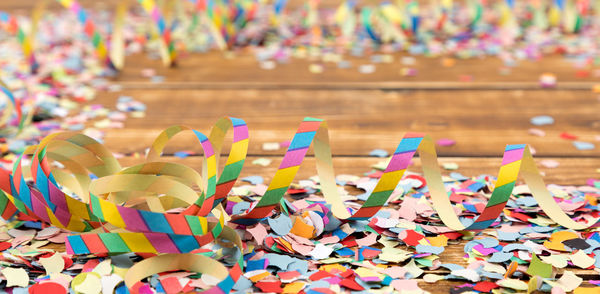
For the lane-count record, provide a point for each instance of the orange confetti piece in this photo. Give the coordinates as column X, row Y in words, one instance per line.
column 556, row 239
column 295, row 287
column 259, row 277
column 302, row 229
column 511, row 269
column 439, row 241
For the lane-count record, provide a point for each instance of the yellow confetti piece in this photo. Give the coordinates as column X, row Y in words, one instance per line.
column 582, row 290
column 259, row 277
column 15, row 277
column 87, row 283
column 367, row 273
column 582, row 260
column 394, row 254
column 567, row 282
column 432, row 278
column 555, row 242
column 53, row 264
column 438, row 241
column 513, row 284
column 104, row 268
column 294, row 287
column 330, row 267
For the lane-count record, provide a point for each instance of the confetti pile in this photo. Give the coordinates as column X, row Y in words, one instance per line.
column 53, row 66
column 300, row 246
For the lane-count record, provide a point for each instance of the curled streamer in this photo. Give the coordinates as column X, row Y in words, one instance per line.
column 12, row 104
column 155, row 207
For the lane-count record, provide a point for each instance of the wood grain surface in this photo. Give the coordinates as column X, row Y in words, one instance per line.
column 365, row 111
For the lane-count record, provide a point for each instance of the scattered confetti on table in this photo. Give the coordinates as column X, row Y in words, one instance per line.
column 287, row 237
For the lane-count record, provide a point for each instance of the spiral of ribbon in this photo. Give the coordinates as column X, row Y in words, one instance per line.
column 171, row 209
column 12, row 104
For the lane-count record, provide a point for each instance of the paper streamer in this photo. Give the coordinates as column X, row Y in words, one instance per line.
column 90, row 30
column 99, row 202
column 117, row 40
column 202, row 15
column 25, row 40
column 12, row 104
column 167, row 52
column 153, row 207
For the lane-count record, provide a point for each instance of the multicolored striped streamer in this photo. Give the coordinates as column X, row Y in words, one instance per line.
column 135, row 205
column 90, row 30
column 12, row 104
column 516, row 158
column 167, row 52
column 25, row 40
column 158, row 186
column 202, row 16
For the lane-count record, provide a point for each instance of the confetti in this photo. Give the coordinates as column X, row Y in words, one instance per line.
column 15, row 277
column 542, row 120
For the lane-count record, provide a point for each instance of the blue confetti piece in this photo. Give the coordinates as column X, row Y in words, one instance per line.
column 452, row 266
column 281, row 225
column 379, row 153
column 240, row 207
column 254, row 180
column 580, row 145
column 499, row 257
column 512, row 247
column 488, row 242
column 344, row 252
column 429, row 249
column 508, row 236
column 181, row 154
column 542, row 120
column 256, row 265
column 458, row 176
column 526, row 201
column 242, row 284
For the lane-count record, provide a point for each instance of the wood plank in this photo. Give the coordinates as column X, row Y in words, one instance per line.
column 481, row 122
column 385, row 86
column 571, row 171
column 244, row 68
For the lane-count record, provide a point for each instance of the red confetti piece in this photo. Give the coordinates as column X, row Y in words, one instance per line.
column 4, row 245
column 568, row 136
column 376, row 174
column 171, row 285
column 47, row 287
column 270, row 287
column 68, row 261
column 288, row 275
column 351, row 284
column 485, row 286
column 412, row 238
column 520, row 216
column 296, row 191
column 453, row 235
column 320, row 275
column 90, row 265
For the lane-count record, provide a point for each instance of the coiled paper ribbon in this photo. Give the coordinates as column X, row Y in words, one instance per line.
column 113, row 57
column 133, row 203
column 12, row 104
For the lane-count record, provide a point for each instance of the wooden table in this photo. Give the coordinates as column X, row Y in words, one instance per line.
column 368, row 111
